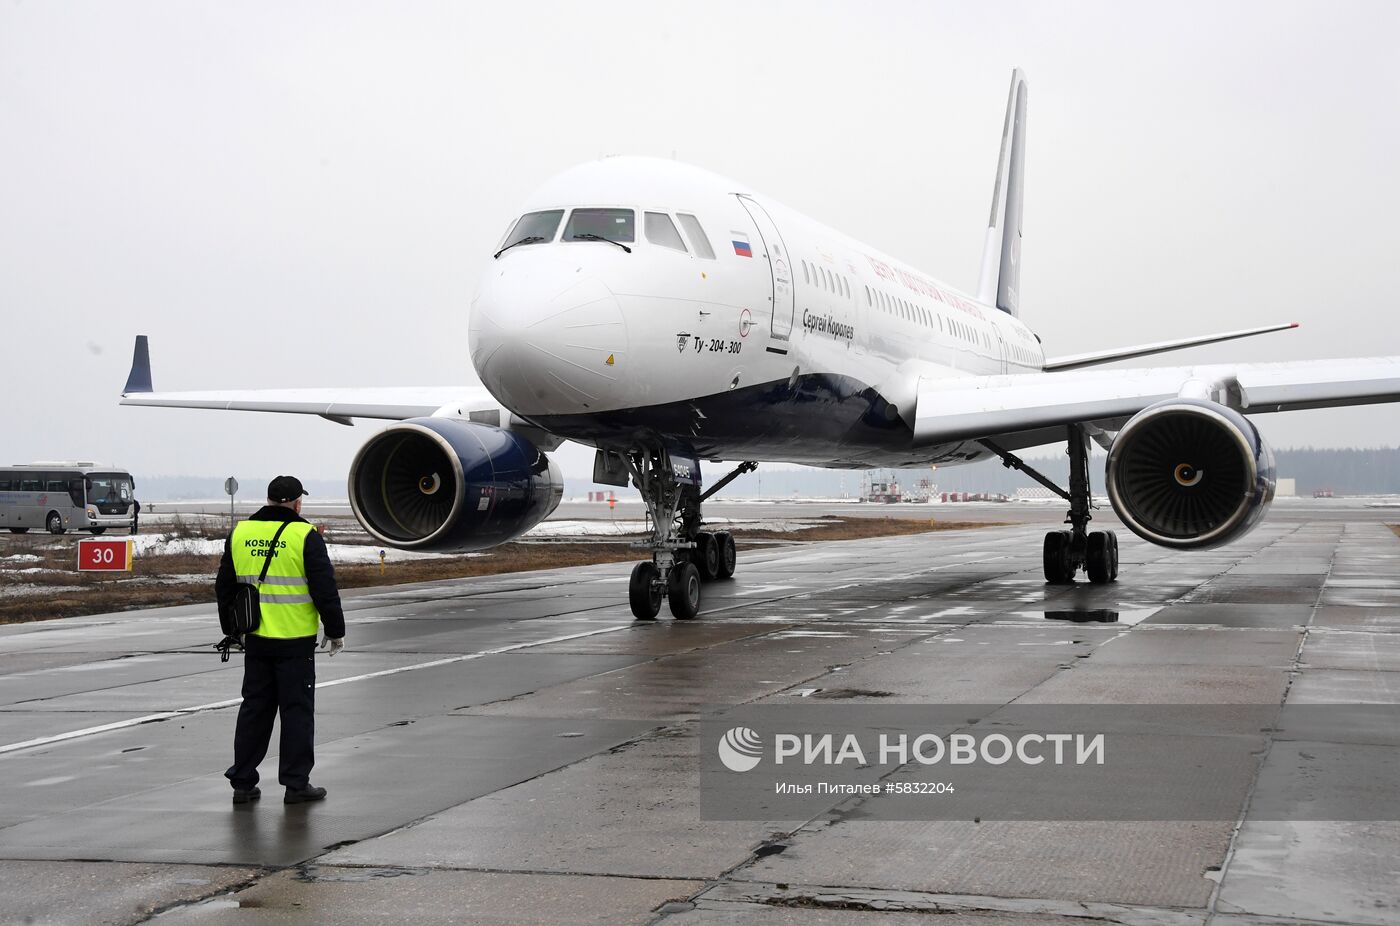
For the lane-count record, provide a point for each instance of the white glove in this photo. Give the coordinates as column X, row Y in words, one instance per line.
column 336, row 643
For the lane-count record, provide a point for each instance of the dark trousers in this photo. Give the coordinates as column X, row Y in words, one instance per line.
column 279, row 676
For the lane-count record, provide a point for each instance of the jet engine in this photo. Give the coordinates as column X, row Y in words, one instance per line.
column 1189, row 473
column 451, row 486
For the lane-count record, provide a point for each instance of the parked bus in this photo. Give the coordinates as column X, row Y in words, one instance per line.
column 66, row 496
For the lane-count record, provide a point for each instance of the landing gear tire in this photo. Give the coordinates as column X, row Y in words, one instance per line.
column 1057, row 558
column 644, row 591
column 54, row 523
column 1099, row 556
column 706, row 556
column 728, row 555
column 683, row 591
column 1113, row 555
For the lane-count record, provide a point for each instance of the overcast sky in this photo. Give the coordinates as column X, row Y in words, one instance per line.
column 302, row 194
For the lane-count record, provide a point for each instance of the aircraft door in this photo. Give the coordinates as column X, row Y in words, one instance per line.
column 1001, row 347
column 775, row 252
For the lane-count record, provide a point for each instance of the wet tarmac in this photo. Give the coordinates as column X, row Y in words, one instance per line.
column 516, row 749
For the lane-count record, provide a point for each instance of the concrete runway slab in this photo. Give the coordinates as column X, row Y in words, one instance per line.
column 425, row 897
column 106, row 893
column 517, row 749
column 1140, row 864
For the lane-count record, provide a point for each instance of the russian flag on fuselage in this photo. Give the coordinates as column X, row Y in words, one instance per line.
column 741, row 244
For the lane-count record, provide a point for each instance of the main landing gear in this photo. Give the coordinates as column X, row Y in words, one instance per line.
column 683, row 555
column 1066, row 552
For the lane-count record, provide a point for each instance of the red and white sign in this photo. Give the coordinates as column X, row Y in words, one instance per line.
column 96, row 555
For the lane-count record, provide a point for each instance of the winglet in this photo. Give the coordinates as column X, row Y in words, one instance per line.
column 139, row 379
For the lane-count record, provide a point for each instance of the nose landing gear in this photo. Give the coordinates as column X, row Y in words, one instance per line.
column 682, row 554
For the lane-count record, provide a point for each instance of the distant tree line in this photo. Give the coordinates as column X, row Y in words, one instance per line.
column 1371, row 471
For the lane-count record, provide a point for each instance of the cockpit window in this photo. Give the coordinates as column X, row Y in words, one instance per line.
column 535, row 225
column 696, row 234
column 661, row 230
column 612, row 224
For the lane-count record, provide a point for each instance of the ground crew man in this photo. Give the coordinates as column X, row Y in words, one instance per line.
column 279, row 667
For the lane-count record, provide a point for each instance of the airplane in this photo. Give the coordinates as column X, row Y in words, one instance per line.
column 666, row 316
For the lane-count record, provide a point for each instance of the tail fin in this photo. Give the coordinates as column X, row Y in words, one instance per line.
column 1000, row 283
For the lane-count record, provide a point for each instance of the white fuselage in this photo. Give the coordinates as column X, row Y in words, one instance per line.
column 794, row 343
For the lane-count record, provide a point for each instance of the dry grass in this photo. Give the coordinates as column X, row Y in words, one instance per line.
column 159, row 581
column 835, row 527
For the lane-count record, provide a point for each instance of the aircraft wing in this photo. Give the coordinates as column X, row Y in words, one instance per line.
column 338, row 405
column 989, row 406
column 394, row 404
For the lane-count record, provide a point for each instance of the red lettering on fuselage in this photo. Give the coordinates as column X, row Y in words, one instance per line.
column 924, row 287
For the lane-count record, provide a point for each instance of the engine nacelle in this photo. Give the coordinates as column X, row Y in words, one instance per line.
column 1188, row 473
column 451, row 486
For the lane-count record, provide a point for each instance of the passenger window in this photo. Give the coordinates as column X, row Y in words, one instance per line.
column 56, row 485
column 661, row 230
column 827, row 274
column 31, row 485
column 806, row 278
column 698, row 239
column 845, row 288
column 867, row 296
column 5, row 485
column 612, row 224
column 535, row 225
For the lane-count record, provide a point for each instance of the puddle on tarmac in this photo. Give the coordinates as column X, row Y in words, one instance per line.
column 1129, row 616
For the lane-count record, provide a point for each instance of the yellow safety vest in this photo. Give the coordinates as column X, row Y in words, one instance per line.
column 284, row 597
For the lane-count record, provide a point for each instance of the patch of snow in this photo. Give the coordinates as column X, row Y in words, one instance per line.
column 28, row 591
column 20, row 558
column 629, row 527
column 164, row 545
column 586, row 528
column 360, row 554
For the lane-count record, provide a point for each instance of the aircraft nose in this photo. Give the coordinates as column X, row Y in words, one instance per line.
column 547, row 336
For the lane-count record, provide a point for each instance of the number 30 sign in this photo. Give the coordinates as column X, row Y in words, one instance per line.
column 104, row 555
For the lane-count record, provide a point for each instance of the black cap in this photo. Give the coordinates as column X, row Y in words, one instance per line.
column 285, row 489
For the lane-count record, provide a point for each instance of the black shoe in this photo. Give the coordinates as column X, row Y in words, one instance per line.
column 303, row 795
column 246, row 796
